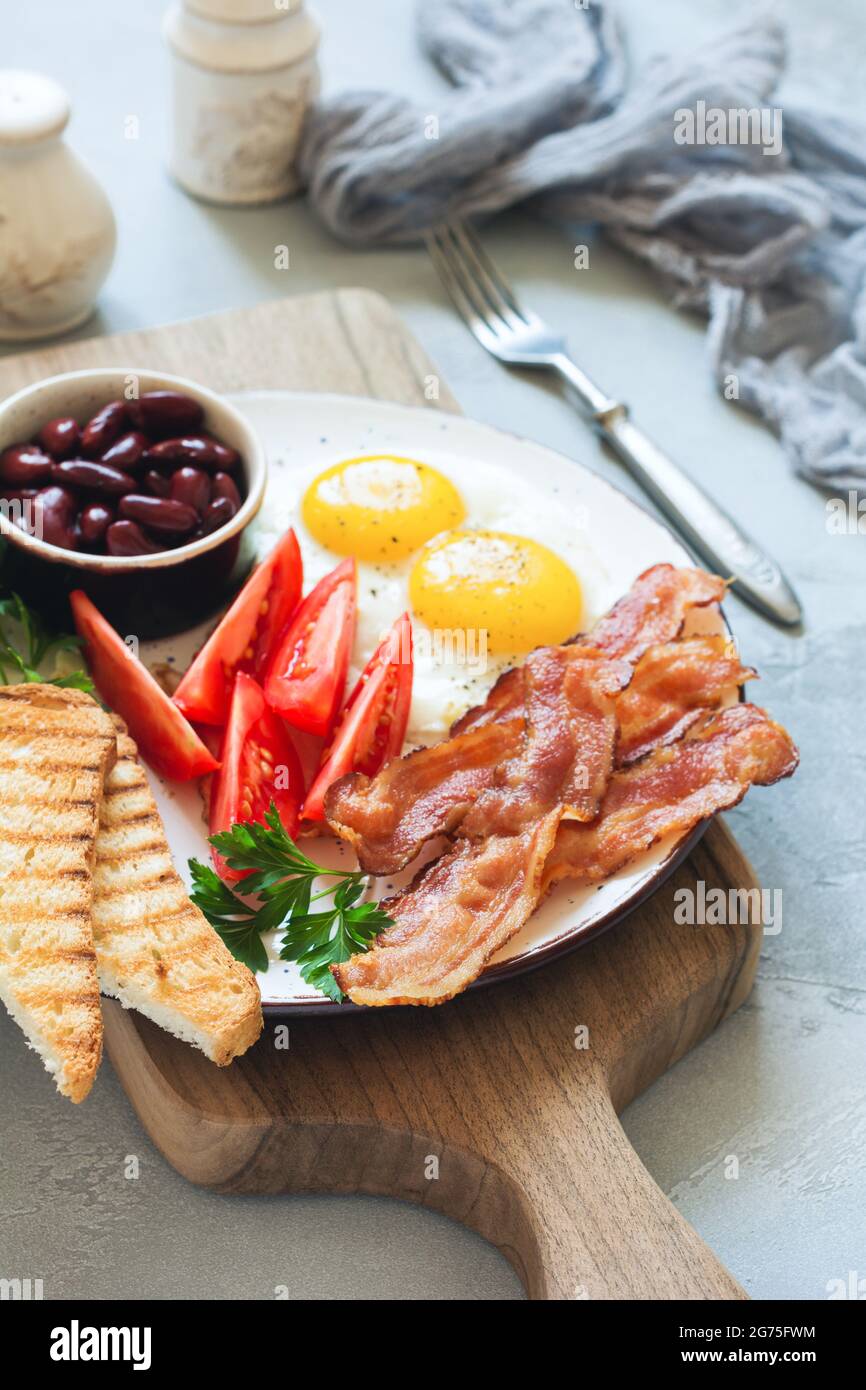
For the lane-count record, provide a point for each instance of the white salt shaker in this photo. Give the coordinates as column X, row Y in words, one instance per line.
column 244, row 72
column 57, row 231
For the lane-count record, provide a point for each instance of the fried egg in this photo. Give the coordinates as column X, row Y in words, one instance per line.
column 487, row 566
column 380, row 509
column 515, row 590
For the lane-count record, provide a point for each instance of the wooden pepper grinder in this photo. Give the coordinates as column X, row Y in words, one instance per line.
column 244, row 72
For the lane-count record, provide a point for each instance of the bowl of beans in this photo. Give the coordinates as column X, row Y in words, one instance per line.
column 133, row 485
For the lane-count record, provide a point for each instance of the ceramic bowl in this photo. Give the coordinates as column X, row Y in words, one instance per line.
column 149, row 595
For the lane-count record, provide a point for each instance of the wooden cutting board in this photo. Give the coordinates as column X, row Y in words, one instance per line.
column 500, row 1108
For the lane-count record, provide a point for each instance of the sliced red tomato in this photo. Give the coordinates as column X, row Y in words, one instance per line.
column 247, row 635
column 307, row 676
column 163, row 736
column 259, row 765
column 372, row 726
column 211, row 737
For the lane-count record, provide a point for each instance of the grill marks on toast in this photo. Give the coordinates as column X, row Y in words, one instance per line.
column 156, row 952
column 56, row 746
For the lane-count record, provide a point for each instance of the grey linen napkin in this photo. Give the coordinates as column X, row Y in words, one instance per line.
column 770, row 246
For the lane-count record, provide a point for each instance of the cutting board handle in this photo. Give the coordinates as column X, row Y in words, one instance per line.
column 532, row 1155
column 589, row 1222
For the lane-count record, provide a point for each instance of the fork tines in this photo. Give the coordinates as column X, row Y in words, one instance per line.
column 480, row 293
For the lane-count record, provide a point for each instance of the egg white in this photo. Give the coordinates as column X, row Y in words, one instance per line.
column 446, row 683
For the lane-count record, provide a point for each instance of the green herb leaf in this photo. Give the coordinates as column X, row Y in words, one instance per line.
column 76, row 680
column 281, row 877
column 265, row 848
column 317, row 940
column 27, row 649
column 233, row 919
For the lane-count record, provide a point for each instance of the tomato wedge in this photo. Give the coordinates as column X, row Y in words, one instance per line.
column 307, row 676
column 246, row 636
column 373, row 724
column 163, row 736
column 259, row 765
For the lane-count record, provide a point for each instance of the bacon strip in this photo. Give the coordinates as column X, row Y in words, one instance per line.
column 674, row 684
column 571, row 729
column 654, row 609
column 388, row 819
column 468, row 903
column 463, row 907
column 673, row 790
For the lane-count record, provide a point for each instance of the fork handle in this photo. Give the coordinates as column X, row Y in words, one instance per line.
column 707, row 528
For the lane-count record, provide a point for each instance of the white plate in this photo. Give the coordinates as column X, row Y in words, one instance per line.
column 301, row 432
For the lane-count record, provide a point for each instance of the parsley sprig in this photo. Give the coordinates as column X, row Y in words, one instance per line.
column 30, row 645
column 282, row 880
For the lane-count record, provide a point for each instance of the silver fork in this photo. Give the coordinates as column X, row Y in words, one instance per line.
column 520, row 338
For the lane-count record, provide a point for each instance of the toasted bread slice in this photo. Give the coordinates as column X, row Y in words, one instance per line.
column 56, row 746
column 155, row 951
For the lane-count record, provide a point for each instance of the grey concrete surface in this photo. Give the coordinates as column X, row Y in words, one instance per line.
column 781, row 1087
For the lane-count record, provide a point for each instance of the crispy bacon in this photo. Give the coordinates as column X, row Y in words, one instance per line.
column 674, row 684
column 469, row 902
column 673, row 790
column 567, row 758
column 388, row 819
column 464, row 906
column 461, row 909
column 654, row 609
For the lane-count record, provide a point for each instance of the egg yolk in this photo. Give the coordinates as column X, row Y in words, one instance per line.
column 380, row 508
column 514, row 589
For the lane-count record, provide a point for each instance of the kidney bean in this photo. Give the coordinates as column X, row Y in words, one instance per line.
column 60, row 437
column 225, row 457
column 164, row 413
column 197, row 449
column 216, row 515
column 106, row 426
column 126, row 451
column 54, row 515
column 82, row 486
column 159, row 484
column 18, row 494
column 94, row 521
column 191, row 485
column 224, row 486
column 127, row 538
column 94, row 476
column 17, row 506
column 163, row 513
column 24, row 465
